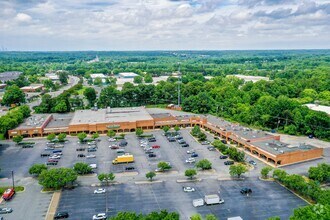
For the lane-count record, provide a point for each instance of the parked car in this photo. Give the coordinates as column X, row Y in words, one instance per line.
column 155, row 146
column 152, row 155
column 113, row 147
column 5, row 210
column 93, row 166
column 194, row 155
column 252, row 162
column 149, row 152
column 44, row 154
column 81, row 149
column 49, row 148
column 123, row 143
column 129, row 168
column 99, row 191
column 61, row 215
column 111, row 139
column 181, row 141
column 205, row 142
column 191, row 160
column 178, row 137
column 51, row 163
column 188, row 189
column 91, row 149
column 211, row 148
column 99, row 216
column 216, row 138
column 171, row 139
column 55, row 157
column 52, row 160
column 223, row 157
column 224, row 141
column 190, row 151
column 81, row 155
column 185, row 145
column 246, row 190
column 91, row 156
column 27, row 146
column 229, row 162
column 8, row 194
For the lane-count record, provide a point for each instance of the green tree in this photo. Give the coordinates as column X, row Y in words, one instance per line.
column 220, row 146
column 150, row 175
column 61, row 107
column 122, row 135
column 318, row 211
column 177, row 128
column 36, row 169
column 49, row 84
column 238, row 170
column 111, row 133
column 210, row 217
column 196, row 217
column 148, row 78
column 90, row 95
column 139, row 132
column 166, row 128
column 13, row 95
column 190, row 173
column 82, row 168
column 98, row 81
column 57, row 178
column 265, row 171
column 321, row 173
column 138, row 79
column 81, row 136
column 162, row 165
column 18, row 139
column 95, row 135
column 196, row 131
column 51, row 137
column 204, row 164
column 63, row 77
column 61, row 137
column 274, row 218
column 202, row 136
column 106, row 177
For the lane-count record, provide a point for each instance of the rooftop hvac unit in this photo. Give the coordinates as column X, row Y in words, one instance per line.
column 275, row 148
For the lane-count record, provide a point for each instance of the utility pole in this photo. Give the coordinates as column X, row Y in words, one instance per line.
column 12, row 177
column 179, row 82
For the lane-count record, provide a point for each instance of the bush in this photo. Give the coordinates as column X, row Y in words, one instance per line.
column 265, row 171
column 204, row 164
column 82, row 168
column 37, row 169
column 321, row 173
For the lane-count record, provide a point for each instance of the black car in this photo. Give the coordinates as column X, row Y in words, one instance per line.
column 80, row 149
column 152, row 139
column 129, row 168
column 229, row 162
column 171, row 139
column 194, row 155
column 44, row 154
column 185, row 145
column 149, row 152
column 178, row 137
column 224, row 141
column 61, row 215
column 223, row 157
column 51, row 163
column 123, row 143
column 246, row 190
column 81, row 155
column 27, row 146
column 152, row 155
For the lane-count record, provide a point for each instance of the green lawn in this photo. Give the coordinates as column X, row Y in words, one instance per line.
column 17, row 189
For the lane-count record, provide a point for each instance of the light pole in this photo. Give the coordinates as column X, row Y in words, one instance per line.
column 12, row 177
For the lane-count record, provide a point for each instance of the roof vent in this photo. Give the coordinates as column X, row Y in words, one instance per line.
column 275, row 148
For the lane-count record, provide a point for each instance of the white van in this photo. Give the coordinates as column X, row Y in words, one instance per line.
column 93, row 166
column 198, row 202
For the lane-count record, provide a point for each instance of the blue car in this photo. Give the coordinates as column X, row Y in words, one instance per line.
column 194, row 155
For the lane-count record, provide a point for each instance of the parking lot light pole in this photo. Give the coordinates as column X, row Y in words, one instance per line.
column 12, row 177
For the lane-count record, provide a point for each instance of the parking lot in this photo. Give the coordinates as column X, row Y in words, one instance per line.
column 169, row 195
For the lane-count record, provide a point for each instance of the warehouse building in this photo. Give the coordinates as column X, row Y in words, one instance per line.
column 265, row 146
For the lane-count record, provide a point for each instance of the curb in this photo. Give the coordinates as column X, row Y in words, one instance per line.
column 53, row 205
column 148, row 182
column 127, row 174
column 302, row 198
column 266, row 180
column 167, row 172
column 189, row 181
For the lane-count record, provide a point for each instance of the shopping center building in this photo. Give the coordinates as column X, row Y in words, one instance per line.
column 263, row 145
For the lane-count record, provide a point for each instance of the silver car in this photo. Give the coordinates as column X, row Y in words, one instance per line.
column 5, row 210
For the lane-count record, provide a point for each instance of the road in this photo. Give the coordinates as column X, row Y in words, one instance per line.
column 73, row 80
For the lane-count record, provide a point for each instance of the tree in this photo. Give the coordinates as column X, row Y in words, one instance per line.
column 98, row 81
column 90, row 95
column 162, row 165
column 49, row 84
column 122, row 135
column 318, row 211
column 57, row 178
column 274, row 218
column 61, row 137
column 202, row 136
column 204, row 164
column 190, row 173
column 148, row 78
column 82, row 168
column 61, row 107
column 196, row 217
column 150, row 175
column 13, row 95
column 196, row 131
column 139, row 132
column 36, row 169
column 138, row 79
column 111, row 133
column 18, row 139
column 166, row 128
column 238, row 170
column 321, row 173
column 107, row 177
column 51, row 137
column 177, row 128
column 95, row 135
column 63, row 77
column 81, row 136
column 265, row 171
column 210, row 217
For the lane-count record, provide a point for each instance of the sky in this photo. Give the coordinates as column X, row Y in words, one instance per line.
column 70, row 25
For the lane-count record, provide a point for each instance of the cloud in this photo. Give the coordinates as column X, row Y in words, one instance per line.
column 23, row 18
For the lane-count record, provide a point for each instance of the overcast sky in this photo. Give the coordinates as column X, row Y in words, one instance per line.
column 164, row 24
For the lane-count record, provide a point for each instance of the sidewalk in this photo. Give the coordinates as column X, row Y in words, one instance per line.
column 53, row 205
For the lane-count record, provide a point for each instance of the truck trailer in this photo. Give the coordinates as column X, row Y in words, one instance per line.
column 198, row 202
column 126, row 158
column 213, row 199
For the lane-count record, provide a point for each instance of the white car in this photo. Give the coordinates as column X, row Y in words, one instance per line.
column 191, row 160
column 93, row 166
column 99, row 191
column 91, row 156
column 190, row 151
column 188, row 189
column 100, row 216
column 55, row 157
column 111, row 139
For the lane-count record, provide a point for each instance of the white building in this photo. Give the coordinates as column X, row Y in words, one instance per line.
column 52, row 76
column 127, row 75
column 320, row 108
column 250, row 78
column 99, row 75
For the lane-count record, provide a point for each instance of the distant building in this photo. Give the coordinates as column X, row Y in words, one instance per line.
column 94, row 60
column 53, row 77
column 99, row 75
column 250, row 78
column 33, row 88
column 7, row 76
column 320, row 108
column 2, row 86
column 127, row 75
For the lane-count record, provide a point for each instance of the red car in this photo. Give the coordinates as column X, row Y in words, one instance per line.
column 156, row 146
column 113, row 147
column 8, row 194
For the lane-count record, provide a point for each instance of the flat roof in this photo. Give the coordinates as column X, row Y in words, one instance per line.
column 320, row 108
column 131, row 74
column 175, row 113
column 115, row 115
column 97, row 75
column 250, row 78
column 34, row 121
column 277, row 147
column 60, row 120
column 249, row 134
column 32, row 87
column 9, row 75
